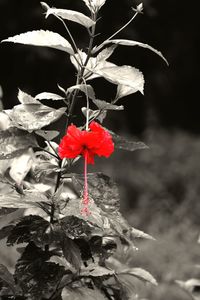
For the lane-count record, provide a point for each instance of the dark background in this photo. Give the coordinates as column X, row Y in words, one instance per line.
column 159, row 187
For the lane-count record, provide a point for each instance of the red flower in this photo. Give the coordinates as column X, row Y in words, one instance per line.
column 97, row 141
column 77, row 142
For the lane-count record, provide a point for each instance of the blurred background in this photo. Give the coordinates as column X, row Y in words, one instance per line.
column 159, row 187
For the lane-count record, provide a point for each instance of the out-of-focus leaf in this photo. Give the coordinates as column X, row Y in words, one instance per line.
column 72, row 253
column 95, row 270
column 191, row 286
column 82, row 294
column 37, row 278
column 48, row 96
column 48, row 135
column 135, row 43
column 15, row 142
column 21, row 199
column 5, row 121
column 30, row 228
column 85, row 88
column 124, row 144
column 7, row 277
column 6, row 211
column 103, row 105
column 138, row 273
column 43, row 38
column 5, row 231
column 136, row 233
column 32, row 117
column 70, row 15
column 21, row 166
column 94, row 5
column 124, row 75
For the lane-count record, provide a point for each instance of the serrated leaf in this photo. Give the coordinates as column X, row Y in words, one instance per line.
column 138, row 273
column 70, row 15
column 103, row 105
column 48, row 96
column 42, row 38
column 37, row 278
column 29, row 228
column 85, row 88
column 7, row 277
column 15, row 142
column 124, row 75
column 94, row 5
column 32, row 117
column 75, row 227
column 72, row 253
column 48, row 135
column 135, row 43
column 82, row 294
column 125, row 144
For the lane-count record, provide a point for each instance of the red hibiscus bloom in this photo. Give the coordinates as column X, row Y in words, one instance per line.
column 97, row 141
column 77, row 142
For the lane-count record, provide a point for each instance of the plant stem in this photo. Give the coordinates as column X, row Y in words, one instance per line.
column 114, row 34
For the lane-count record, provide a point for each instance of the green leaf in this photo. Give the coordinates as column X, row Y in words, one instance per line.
column 32, row 117
column 72, row 253
column 82, row 293
column 42, row 38
column 48, row 96
column 103, row 105
column 37, row 278
column 48, row 135
column 125, row 144
column 138, row 273
column 7, row 277
column 135, row 43
column 15, row 142
column 30, row 228
column 70, row 15
column 124, row 75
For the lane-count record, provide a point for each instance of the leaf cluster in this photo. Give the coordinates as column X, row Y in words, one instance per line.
column 63, row 254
